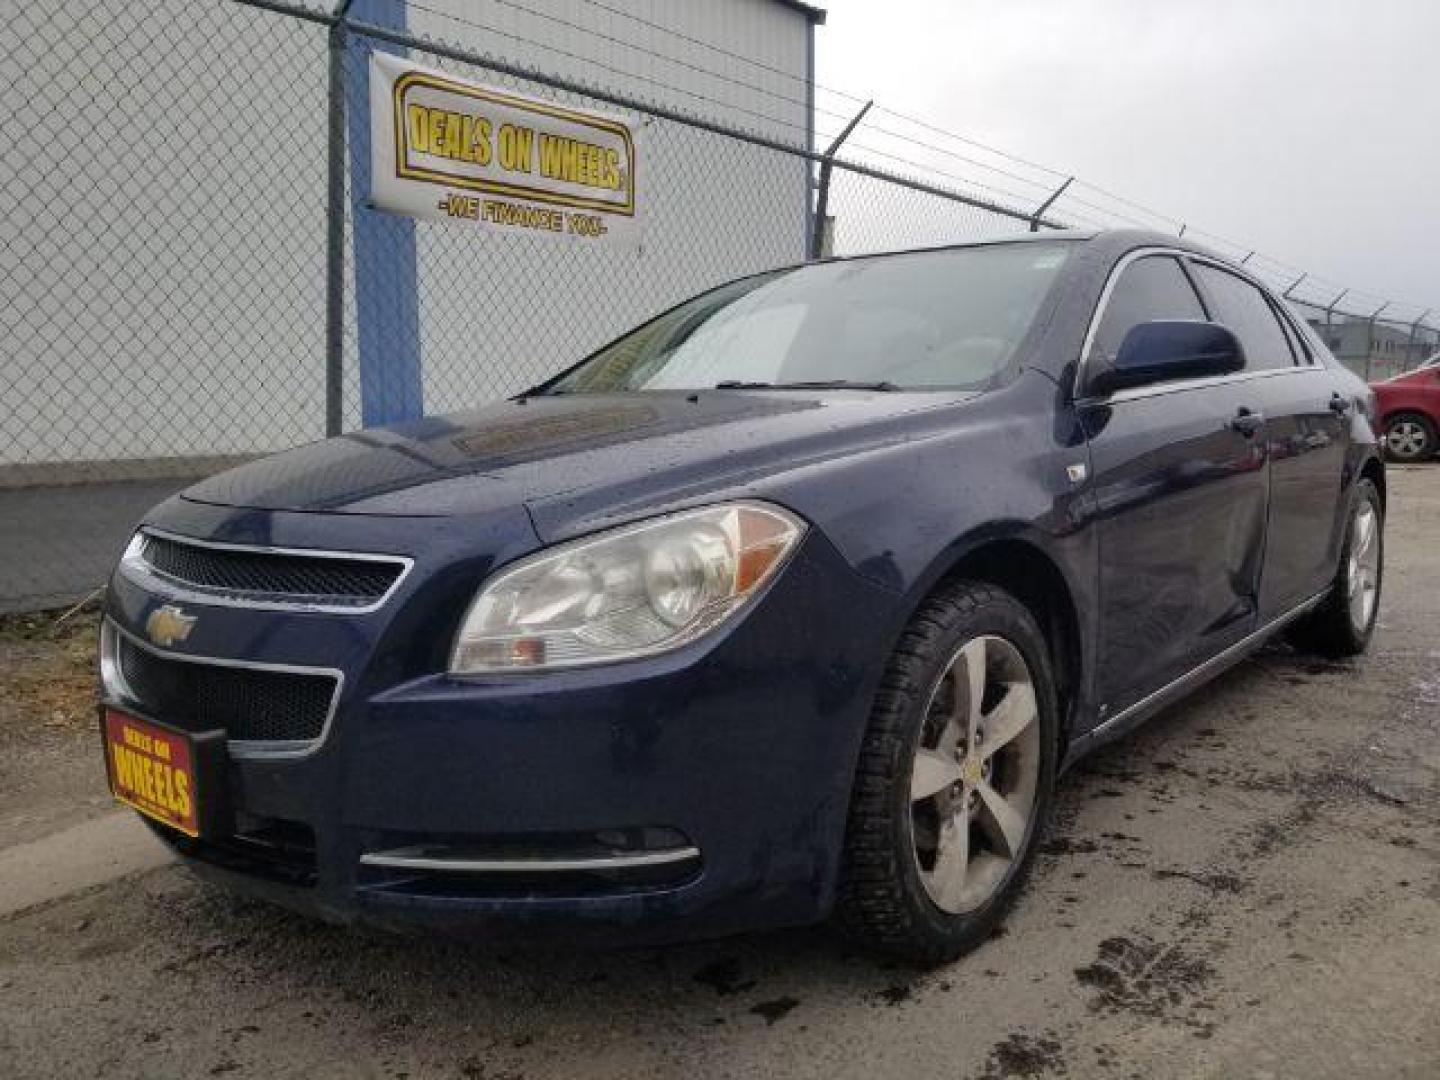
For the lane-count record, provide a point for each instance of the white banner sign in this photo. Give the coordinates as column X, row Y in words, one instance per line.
column 449, row 149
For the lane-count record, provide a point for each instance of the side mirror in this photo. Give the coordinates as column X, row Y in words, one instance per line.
column 1165, row 350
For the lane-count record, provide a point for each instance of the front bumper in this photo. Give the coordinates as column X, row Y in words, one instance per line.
column 695, row 794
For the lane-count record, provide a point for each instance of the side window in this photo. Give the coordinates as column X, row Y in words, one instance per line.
column 1320, row 351
column 1150, row 288
column 1243, row 308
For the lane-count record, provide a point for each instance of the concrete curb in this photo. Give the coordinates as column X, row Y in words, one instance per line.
column 75, row 859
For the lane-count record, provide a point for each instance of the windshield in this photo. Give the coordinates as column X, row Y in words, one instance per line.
column 944, row 318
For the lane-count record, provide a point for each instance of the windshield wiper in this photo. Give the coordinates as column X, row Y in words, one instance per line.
column 813, row 384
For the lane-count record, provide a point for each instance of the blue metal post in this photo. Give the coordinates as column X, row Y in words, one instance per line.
column 387, row 304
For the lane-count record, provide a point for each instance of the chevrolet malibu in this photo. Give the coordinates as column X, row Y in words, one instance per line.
column 791, row 604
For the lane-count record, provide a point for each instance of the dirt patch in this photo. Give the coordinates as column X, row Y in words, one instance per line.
column 1216, row 881
column 1147, row 977
column 1024, row 1055
column 47, row 669
column 50, row 772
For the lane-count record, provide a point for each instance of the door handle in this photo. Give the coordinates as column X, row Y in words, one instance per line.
column 1247, row 422
column 1339, row 404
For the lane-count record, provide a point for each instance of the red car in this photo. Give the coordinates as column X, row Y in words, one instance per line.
column 1408, row 407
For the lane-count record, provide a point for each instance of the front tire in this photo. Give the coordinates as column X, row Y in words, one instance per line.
column 1345, row 621
column 955, row 779
column 1409, row 437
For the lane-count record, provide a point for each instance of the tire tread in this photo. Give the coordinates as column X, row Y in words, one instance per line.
column 873, row 904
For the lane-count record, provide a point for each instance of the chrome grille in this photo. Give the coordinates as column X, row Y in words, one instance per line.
column 259, row 575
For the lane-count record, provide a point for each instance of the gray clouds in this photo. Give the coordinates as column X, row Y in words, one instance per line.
column 1308, row 130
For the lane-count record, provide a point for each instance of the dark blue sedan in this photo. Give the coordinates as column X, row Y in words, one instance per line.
column 792, row 603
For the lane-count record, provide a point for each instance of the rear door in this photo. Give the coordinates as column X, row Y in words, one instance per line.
column 1307, row 428
column 1179, row 484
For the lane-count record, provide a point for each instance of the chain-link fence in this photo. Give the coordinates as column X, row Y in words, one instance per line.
column 191, row 275
column 162, row 265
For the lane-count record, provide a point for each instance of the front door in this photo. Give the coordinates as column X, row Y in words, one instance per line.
column 1180, row 493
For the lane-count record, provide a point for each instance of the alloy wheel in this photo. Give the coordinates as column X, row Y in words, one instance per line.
column 1362, row 576
column 975, row 775
column 1408, row 439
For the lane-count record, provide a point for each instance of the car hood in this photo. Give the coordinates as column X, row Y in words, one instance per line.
column 645, row 448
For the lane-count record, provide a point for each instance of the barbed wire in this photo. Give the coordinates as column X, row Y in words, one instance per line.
column 667, row 58
column 847, row 95
column 1021, row 201
column 1071, row 199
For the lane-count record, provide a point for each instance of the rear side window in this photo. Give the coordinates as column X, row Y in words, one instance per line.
column 1150, row 288
column 1243, row 308
column 1316, row 347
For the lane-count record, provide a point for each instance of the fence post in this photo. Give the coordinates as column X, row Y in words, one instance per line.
column 1329, row 310
column 1039, row 215
column 382, row 245
column 335, row 227
column 822, row 198
column 1414, row 331
column 1370, row 339
column 1295, row 285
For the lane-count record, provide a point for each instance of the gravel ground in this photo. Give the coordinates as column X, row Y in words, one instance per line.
column 1247, row 887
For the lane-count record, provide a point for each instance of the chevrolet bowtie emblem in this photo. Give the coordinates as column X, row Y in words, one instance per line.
column 168, row 624
column 972, row 770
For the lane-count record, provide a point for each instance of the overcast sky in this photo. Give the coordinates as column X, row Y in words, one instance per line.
column 1309, row 129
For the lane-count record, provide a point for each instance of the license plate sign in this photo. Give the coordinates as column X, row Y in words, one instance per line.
column 153, row 770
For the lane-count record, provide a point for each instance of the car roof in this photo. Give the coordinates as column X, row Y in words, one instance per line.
column 1102, row 242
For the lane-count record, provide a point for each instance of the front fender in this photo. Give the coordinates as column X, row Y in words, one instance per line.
column 1001, row 472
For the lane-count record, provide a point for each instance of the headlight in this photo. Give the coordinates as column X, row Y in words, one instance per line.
column 634, row 591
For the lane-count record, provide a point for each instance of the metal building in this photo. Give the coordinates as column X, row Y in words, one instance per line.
column 163, row 216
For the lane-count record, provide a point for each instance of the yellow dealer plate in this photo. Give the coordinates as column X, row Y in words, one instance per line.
column 153, row 770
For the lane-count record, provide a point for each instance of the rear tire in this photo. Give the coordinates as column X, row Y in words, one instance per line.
column 1345, row 621
column 1409, row 437
column 954, row 784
